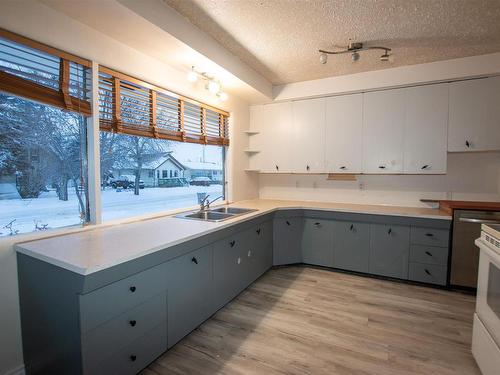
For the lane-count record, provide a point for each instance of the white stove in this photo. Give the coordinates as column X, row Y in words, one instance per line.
column 486, row 330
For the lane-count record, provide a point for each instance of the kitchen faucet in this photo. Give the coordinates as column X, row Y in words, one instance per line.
column 205, row 204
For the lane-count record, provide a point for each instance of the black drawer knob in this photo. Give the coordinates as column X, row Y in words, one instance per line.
column 343, row 167
column 133, row 289
column 288, row 223
column 232, row 243
column 194, row 260
column 467, row 143
column 389, row 231
column 381, row 166
column 429, row 234
column 428, row 253
column 132, row 323
column 307, row 167
column 133, row 358
column 277, row 168
column 317, row 225
column 351, row 227
column 427, row 272
column 258, row 231
column 425, row 166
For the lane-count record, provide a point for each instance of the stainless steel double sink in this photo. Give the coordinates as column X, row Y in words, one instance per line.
column 215, row 214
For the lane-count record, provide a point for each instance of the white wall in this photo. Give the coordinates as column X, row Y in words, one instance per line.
column 471, row 176
column 42, row 23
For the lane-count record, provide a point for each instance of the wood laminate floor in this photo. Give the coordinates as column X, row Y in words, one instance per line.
column 303, row 320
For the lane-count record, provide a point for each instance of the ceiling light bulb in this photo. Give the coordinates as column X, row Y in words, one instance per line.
column 323, row 58
column 223, row 96
column 355, row 56
column 192, row 75
column 213, row 87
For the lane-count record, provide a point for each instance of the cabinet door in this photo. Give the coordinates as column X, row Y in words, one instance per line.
column 474, row 115
column 189, row 292
column 275, row 127
column 344, row 124
column 287, row 240
column 309, row 136
column 229, row 273
column 389, row 250
column 317, row 242
column 262, row 238
column 351, row 245
column 383, row 130
column 426, row 128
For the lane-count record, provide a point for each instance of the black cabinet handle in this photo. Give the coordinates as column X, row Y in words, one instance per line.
column 428, row 253
column 317, row 224
column 307, row 167
column 133, row 358
column 429, row 234
column 425, row 166
column 343, row 167
column 427, row 272
column 258, row 231
column 381, row 166
column 133, row 323
column 194, row 260
column 132, row 289
column 389, row 231
column 467, row 143
column 232, row 243
column 288, row 223
column 352, row 227
column 277, row 168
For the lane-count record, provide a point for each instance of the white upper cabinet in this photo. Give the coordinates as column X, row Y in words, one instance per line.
column 344, row 126
column 425, row 131
column 383, row 131
column 308, row 136
column 474, row 123
column 274, row 124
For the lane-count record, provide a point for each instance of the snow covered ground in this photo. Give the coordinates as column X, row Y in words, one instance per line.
column 49, row 210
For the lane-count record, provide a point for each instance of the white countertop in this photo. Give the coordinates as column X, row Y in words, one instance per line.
column 90, row 251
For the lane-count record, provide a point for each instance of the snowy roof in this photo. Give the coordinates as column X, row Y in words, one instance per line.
column 201, row 165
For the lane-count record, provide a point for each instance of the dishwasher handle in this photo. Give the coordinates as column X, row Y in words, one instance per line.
column 478, row 221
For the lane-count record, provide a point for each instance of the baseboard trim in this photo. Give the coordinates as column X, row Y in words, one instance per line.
column 16, row 371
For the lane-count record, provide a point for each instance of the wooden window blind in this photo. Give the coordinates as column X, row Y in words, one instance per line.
column 131, row 106
column 47, row 75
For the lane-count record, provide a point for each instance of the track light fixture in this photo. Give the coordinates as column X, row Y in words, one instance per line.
column 212, row 84
column 354, row 48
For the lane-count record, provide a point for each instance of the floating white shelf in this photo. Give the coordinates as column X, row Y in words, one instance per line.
column 252, row 151
column 252, row 170
column 251, row 132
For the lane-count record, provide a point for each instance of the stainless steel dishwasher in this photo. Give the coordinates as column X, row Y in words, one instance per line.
column 464, row 253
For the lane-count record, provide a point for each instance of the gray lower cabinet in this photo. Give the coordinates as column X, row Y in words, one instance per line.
column 258, row 249
column 317, row 242
column 351, row 246
column 189, row 280
column 389, row 250
column 428, row 273
column 230, row 256
column 287, row 240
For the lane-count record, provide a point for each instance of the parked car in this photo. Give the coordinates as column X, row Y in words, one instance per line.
column 125, row 182
column 201, row 181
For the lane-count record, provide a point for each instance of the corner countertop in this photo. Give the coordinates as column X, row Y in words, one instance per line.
column 94, row 250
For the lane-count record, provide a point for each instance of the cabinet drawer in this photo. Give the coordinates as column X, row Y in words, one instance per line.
column 429, row 236
column 105, row 340
column 105, row 303
column 427, row 273
column 133, row 357
column 429, row 254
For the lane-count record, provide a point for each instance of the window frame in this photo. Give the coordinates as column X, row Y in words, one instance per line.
column 93, row 164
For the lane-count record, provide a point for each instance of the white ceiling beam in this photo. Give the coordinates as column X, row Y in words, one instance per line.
column 169, row 20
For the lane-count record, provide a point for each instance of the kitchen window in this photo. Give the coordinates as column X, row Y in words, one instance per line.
column 44, row 101
column 146, row 129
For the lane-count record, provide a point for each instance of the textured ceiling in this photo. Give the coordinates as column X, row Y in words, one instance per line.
column 280, row 38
